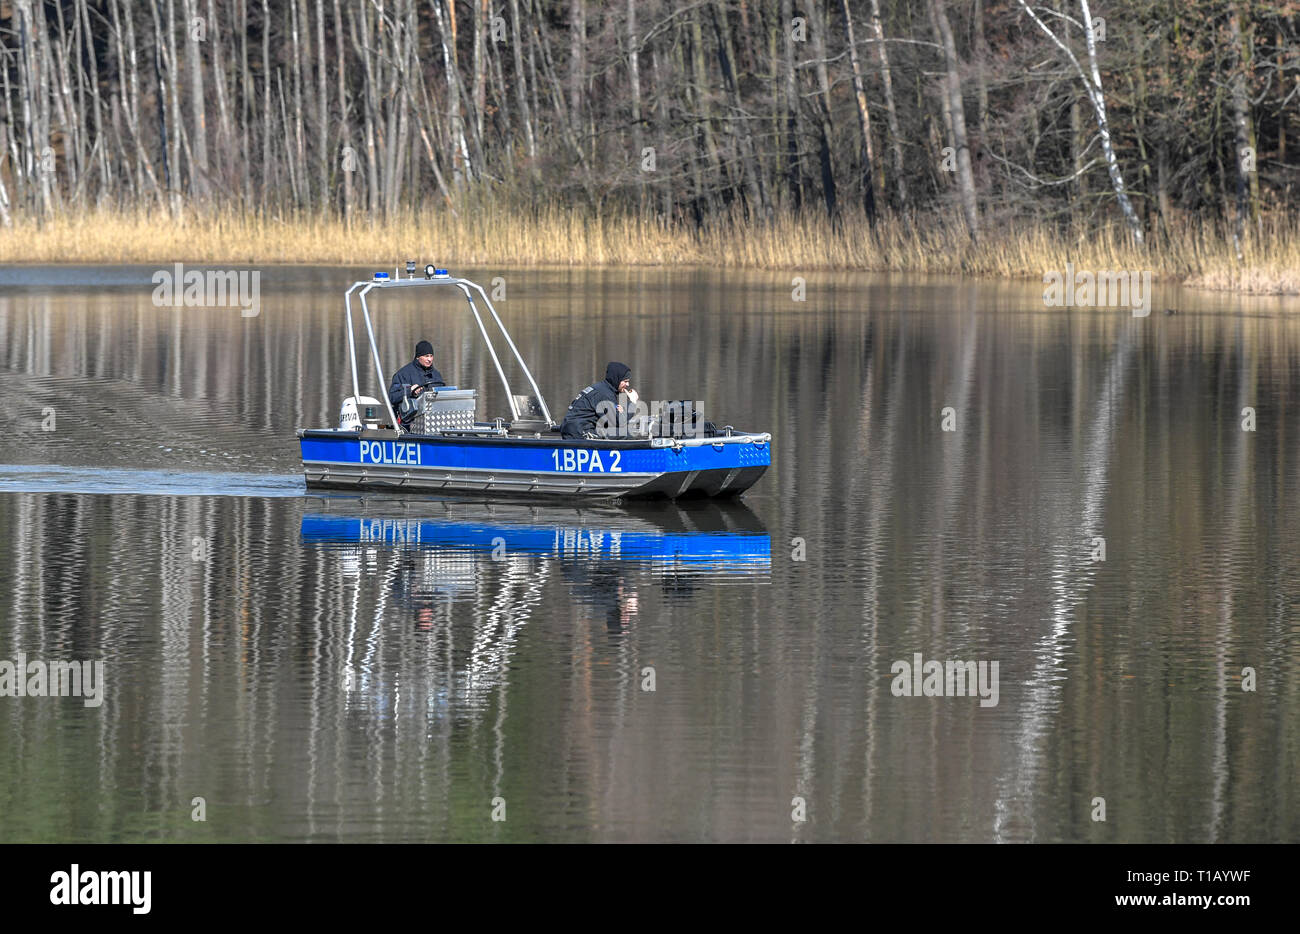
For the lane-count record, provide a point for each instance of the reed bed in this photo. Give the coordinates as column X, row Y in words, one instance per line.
column 1198, row 254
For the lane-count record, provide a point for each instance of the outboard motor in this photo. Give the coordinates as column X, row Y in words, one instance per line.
column 676, row 419
column 680, row 419
column 360, row 412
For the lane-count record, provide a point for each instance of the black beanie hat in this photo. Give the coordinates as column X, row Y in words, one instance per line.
column 615, row 373
column 423, row 348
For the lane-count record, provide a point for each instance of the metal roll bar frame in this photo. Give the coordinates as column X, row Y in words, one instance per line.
column 464, row 285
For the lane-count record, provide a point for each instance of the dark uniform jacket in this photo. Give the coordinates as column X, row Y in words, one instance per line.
column 406, row 379
column 584, row 411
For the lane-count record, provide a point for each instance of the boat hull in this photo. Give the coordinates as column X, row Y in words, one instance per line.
column 384, row 461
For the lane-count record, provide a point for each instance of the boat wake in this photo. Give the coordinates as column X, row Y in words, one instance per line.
column 31, row 478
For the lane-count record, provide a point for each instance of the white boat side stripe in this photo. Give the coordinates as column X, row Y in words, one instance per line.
column 423, row 469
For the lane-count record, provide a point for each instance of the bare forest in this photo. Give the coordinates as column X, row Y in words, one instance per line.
column 979, row 116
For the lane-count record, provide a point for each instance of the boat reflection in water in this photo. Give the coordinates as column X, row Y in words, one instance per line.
column 471, row 575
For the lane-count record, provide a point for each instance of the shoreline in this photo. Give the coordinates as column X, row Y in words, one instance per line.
column 1197, row 255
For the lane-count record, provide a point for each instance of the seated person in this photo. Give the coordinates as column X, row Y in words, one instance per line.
column 585, row 411
column 411, row 381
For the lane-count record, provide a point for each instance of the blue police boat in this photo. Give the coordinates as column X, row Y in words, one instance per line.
column 448, row 450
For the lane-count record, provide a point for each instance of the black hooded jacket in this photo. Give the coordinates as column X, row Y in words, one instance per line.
column 405, row 379
column 584, row 411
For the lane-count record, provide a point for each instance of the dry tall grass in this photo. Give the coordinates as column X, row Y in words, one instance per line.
column 1199, row 254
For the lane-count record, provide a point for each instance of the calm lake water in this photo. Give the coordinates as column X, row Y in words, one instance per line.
column 333, row 669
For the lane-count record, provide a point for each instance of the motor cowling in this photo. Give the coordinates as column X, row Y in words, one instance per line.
column 360, row 412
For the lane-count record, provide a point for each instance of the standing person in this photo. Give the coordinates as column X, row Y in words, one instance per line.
column 584, row 411
column 411, row 381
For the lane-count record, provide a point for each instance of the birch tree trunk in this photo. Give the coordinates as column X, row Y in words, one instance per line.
column 817, row 31
column 891, row 112
column 577, row 62
column 1243, row 131
column 60, row 98
column 957, row 112
column 1098, row 100
column 322, row 108
column 166, row 128
column 980, row 49
column 29, row 84
column 461, row 170
column 1103, row 125
column 347, row 155
column 198, row 100
column 266, row 147
column 5, row 219
column 248, row 95
column 791, row 87
column 298, row 160
column 172, row 62
column 634, row 81
column 521, row 87
column 864, row 115
column 500, row 93
column 224, row 135
column 144, row 165
column 100, row 132
column 480, row 66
